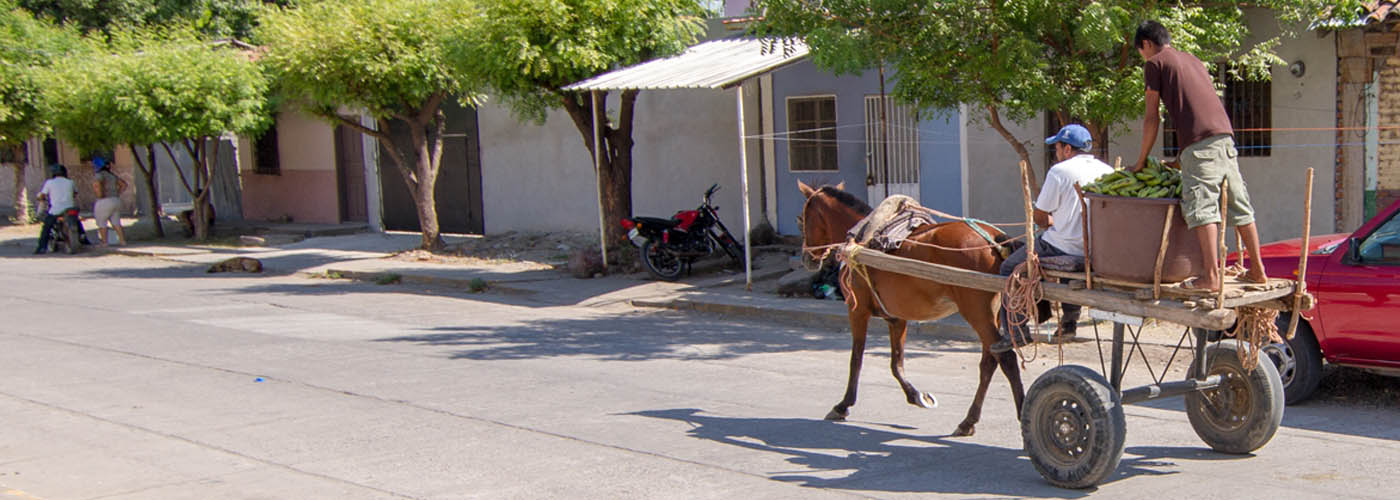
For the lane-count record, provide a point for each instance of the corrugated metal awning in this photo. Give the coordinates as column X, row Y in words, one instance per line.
column 710, row 65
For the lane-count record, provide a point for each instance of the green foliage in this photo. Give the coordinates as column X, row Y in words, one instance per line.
column 1029, row 56
column 155, row 87
column 212, row 18
column 387, row 56
column 534, row 47
column 26, row 45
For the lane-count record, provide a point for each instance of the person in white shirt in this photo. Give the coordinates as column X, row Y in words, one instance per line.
column 59, row 192
column 1057, row 209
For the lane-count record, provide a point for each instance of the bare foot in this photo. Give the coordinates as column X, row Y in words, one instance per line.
column 1200, row 284
column 1254, row 276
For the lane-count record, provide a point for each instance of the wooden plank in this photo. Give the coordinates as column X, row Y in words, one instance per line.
column 1167, row 310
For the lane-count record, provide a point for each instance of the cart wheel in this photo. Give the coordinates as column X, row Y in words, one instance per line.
column 1073, row 427
column 1244, row 412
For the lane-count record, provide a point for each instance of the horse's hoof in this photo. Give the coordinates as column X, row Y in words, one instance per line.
column 836, row 415
column 965, row 430
column 927, row 400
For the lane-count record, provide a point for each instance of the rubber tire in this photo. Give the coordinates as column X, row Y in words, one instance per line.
column 1302, row 378
column 70, row 233
column 654, row 268
column 1259, row 394
column 1076, row 397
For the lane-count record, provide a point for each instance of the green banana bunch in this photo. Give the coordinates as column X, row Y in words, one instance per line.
column 1153, row 181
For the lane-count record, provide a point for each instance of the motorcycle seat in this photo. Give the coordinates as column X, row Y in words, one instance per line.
column 656, row 222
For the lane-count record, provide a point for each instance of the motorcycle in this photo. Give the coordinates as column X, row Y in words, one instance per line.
column 670, row 246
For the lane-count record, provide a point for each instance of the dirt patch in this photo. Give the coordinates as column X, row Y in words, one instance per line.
column 540, row 250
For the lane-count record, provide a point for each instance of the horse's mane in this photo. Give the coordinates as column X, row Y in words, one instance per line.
column 846, row 199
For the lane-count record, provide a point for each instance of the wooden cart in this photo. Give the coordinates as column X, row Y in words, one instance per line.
column 1072, row 419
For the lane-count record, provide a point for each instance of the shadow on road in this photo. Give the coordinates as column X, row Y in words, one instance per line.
column 861, row 458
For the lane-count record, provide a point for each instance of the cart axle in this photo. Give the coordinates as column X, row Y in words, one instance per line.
column 1168, row 389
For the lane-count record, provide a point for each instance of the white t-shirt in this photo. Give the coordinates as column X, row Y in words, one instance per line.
column 1058, row 198
column 60, row 193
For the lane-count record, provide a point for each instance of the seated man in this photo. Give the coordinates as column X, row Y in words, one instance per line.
column 59, row 192
column 1057, row 209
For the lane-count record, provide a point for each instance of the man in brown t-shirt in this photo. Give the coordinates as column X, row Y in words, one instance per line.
column 1180, row 82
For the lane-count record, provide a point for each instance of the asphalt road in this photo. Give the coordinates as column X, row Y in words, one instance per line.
column 136, row 378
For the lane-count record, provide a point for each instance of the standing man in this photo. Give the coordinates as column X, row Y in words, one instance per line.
column 1057, row 209
column 1180, row 82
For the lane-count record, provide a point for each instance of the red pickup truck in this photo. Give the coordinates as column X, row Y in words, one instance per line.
column 1356, row 322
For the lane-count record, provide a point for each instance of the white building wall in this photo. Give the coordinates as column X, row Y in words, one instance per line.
column 540, row 177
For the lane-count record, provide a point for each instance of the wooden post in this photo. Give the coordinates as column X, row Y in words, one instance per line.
column 1030, row 213
column 1302, row 285
column 1088, row 245
column 1162, row 253
column 1224, row 219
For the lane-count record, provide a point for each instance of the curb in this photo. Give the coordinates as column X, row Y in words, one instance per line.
column 417, row 279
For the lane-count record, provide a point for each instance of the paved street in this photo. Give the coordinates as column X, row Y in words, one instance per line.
column 127, row 377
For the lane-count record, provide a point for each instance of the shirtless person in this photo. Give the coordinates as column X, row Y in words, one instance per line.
column 1180, row 82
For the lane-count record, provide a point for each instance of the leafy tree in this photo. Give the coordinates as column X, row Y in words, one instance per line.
column 160, row 90
column 1020, row 59
column 26, row 44
column 535, row 47
column 390, row 58
column 215, row 18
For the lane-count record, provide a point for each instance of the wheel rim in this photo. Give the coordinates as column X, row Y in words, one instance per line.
column 1069, row 429
column 664, row 262
column 1229, row 406
column 1282, row 356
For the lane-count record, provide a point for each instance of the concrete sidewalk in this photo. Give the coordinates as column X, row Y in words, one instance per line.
column 366, row 256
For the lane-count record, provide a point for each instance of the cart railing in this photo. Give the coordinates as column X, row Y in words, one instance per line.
column 1192, row 313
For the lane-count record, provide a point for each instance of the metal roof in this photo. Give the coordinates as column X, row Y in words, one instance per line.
column 710, row 65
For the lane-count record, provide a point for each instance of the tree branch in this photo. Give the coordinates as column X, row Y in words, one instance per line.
column 995, row 119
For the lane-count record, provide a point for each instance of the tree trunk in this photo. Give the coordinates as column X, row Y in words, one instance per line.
column 994, row 117
column 148, row 170
column 425, row 196
column 200, row 217
column 615, row 172
column 21, row 194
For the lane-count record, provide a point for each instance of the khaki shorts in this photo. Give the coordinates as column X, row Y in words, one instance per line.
column 1204, row 165
column 107, row 211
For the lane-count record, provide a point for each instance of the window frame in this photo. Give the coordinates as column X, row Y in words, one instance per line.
column 1251, row 143
column 792, row 133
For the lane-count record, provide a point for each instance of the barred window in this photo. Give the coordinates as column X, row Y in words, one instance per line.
column 812, row 133
column 1250, row 108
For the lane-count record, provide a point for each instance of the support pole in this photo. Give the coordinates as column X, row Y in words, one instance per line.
column 1302, row 285
column 1220, row 250
column 744, row 183
column 598, row 173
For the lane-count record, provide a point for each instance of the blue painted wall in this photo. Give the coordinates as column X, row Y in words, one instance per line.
column 940, row 161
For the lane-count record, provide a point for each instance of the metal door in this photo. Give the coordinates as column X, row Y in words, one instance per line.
column 891, row 165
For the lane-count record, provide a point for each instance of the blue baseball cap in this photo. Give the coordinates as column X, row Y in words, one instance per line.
column 1074, row 135
column 98, row 162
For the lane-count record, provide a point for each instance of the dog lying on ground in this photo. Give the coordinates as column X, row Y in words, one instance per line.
column 237, row 265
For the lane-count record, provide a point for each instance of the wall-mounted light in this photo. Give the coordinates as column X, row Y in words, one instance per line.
column 1297, row 68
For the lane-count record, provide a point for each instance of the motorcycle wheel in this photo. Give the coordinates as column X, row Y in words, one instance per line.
column 70, row 233
column 660, row 262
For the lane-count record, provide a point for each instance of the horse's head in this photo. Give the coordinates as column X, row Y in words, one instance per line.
column 827, row 214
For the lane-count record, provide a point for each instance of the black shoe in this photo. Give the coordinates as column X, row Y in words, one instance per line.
column 1064, row 333
column 40, row 251
column 1004, row 343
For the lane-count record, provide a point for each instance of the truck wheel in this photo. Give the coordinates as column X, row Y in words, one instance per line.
column 1299, row 361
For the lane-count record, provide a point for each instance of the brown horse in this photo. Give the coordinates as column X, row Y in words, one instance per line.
column 829, row 213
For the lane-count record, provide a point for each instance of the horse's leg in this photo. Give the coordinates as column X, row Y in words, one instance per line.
column 1012, row 369
column 859, row 319
column 899, row 329
column 985, row 369
column 976, row 307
